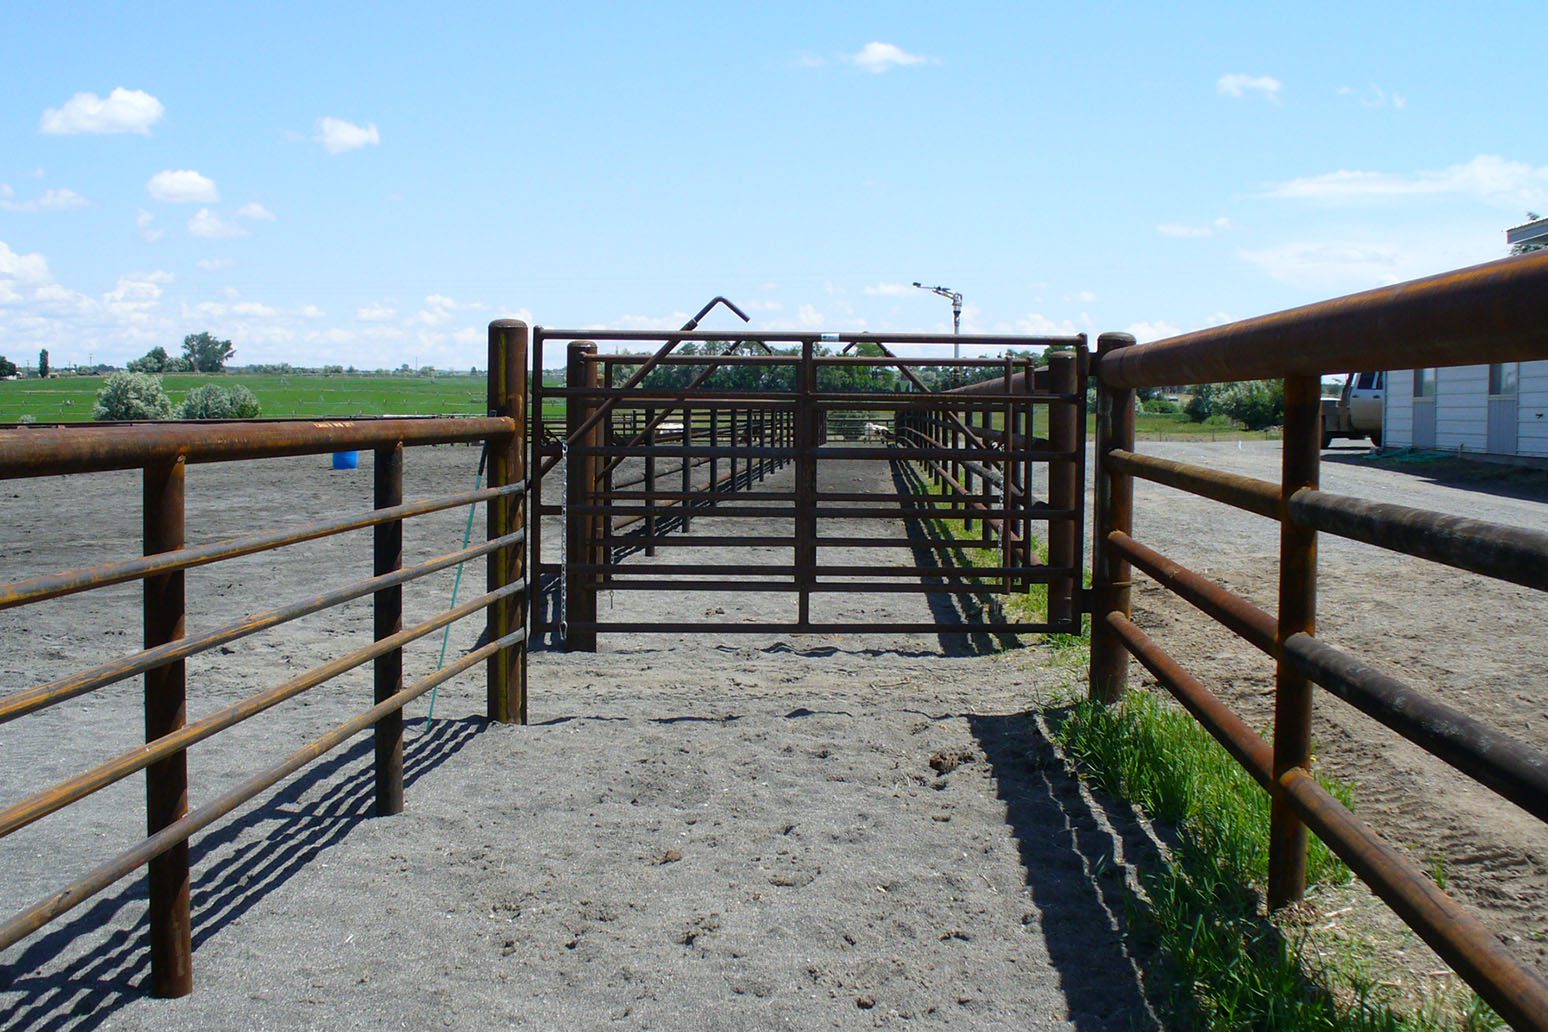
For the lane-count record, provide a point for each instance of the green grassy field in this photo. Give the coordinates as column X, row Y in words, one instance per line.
column 72, row 399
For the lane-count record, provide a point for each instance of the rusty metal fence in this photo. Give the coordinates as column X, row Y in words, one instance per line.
column 1490, row 313
column 162, row 452
column 644, row 459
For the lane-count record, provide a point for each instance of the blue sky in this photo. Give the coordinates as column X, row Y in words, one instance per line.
column 370, row 184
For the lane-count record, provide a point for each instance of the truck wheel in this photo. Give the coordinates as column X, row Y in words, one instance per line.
column 1376, row 438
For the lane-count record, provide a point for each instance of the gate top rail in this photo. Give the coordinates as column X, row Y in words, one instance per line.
column 800, row 337
column 87, row 449
column 1493, row 312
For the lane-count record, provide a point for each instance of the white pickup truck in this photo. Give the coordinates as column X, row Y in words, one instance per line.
column 1356, row 412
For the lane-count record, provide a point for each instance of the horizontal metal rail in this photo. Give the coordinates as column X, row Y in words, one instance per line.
column 1253, row 625
column 30, row 920
column 796, row 337
column 68, row 582
column 795, row 627
column 54, row 692
column 1256, row 496
column 1507, row 553
column 1486, row 313
column 38, row 453
column 1490, row 757
column 56, row 797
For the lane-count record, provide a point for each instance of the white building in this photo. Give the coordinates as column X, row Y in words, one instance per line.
column 1495, row 409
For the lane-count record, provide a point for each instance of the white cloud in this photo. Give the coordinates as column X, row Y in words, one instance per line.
column 145, row 222
column 673, row 321
column 1335, row 265
column 136, row 295
column 376, row 313
column 216, row 264
column 255, row 211
column 1237, row 85
column 1086, row 296
column 182, row 186
column 252, row 308
column 1036, row 324
column 124, row 111
column 60, row 199
column 877, row 57
column 808, row 317
column 206, row 223
column 1176, row 229
column 1487, row 177
column 29, row 269
column 1373, row 96
column 1148, row 331
column 312, row 312
column 890, row 290
column 337, row 136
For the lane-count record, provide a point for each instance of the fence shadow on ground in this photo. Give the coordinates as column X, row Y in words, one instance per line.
column 235, row 867
column 1078, row 853
column 948, row 609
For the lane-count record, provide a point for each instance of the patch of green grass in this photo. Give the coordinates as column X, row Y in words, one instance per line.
column 1228, row 967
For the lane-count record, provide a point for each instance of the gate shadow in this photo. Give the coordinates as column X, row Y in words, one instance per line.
column 236, row 866
column 1080, row 855
column 947, row 609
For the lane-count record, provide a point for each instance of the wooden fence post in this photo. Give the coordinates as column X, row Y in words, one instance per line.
column 1297, row 615
column 507, row 668
column 387, row 616
column 166, row 710
column 580, row 475
column 1114, row 510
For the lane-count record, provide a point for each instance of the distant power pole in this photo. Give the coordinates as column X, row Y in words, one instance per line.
column 956, row 313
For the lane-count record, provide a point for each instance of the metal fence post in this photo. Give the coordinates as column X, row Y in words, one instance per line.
column 1114, row 510
column 507, row 668
column 580, row 474
column 1063, row 488
column 1297, row 615
column 387, row 612
column 166, row 710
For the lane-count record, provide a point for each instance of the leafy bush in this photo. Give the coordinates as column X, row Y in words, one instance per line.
column 132, row 396
column 1160, row 406
column 215, row 402
column 1201, row 403
column 153, row 361
column 1256, row 404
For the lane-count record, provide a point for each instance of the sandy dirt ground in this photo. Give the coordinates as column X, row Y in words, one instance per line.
column 749, row 832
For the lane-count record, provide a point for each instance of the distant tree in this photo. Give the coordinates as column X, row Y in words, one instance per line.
column 132, row 396
column 153, row 361
column 212, row 401
column 7, row 367
column 1201, row 402
column 43, row 363
column 1256, row 404
column 206, row 354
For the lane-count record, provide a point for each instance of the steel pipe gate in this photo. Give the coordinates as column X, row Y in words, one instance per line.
column 649, row 444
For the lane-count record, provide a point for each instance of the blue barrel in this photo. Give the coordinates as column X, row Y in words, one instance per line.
column 346, row 460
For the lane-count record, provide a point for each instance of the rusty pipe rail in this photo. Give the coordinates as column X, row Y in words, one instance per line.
column 1487, row 313
column 52, row 452
column 69, row 582
column 1490, row 313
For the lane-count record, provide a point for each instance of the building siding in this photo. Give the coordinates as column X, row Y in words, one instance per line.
column 1462, row 409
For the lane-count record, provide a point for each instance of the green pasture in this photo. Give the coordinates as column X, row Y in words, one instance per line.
column 72, row 399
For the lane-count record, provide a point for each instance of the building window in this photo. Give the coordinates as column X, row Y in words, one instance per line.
column 1424, row 383
column 1505, row 378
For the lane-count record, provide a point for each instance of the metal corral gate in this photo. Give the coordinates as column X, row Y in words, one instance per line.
column 651, row 442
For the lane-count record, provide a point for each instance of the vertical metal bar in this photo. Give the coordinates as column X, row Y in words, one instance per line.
column 387, row 606
column 1082, row 376
column 650, row 480
column 610, row 436
column 686, row 504
column 580, row 472
column 166, row 710
column 534, row 500
column 1062, row 485
column 1297, row 615
column 714, row 462
column 806, row 481
column 1114, row 511
column 507, row 668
